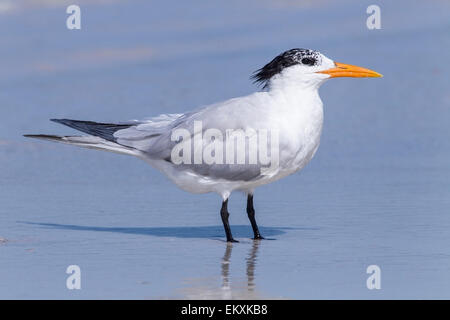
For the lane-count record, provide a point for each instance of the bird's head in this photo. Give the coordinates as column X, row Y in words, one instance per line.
column 305, row 67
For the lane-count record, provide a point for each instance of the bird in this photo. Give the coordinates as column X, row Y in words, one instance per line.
column 234, row 145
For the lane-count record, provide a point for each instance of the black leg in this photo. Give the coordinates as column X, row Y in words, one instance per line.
column 251, row 217
column 224, row 214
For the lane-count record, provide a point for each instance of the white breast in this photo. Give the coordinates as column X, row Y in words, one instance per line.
column 300, row 117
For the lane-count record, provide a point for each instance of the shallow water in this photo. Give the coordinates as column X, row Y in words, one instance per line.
column 377, row 191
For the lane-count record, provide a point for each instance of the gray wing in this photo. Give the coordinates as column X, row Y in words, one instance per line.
column 154, row 137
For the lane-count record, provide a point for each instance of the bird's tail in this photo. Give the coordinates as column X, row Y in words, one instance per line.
column 91, row 142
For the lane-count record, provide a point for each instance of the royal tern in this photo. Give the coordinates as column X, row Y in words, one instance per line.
column 235, row 145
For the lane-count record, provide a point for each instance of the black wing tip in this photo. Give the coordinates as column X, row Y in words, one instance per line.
column 38, row 135
column 43, row 136
column 63, row 121
column 102, row 130
column 49, row 136
column 34, row 135
column 69, row 122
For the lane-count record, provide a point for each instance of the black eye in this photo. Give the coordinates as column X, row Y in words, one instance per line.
column 308, row 61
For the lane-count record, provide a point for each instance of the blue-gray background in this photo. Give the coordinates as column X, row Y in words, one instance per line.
column 377, row 191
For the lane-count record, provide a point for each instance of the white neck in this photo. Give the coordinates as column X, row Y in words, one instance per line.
column 295, row 95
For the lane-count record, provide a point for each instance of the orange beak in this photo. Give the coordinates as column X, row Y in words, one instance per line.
column 347, row 70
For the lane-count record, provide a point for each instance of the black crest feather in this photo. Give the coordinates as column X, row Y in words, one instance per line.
column 284, row 60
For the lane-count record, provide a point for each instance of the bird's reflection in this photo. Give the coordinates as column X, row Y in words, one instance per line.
column 240, row 286
column 250, row 266
column 251, row 263
column 226, row 266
